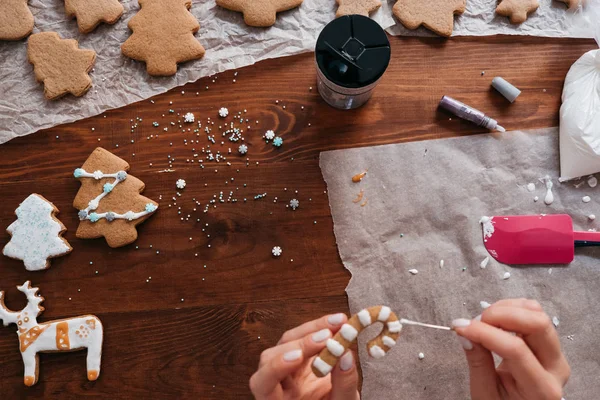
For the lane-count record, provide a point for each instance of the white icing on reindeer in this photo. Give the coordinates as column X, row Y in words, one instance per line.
column 110, row 216
column 61, row 335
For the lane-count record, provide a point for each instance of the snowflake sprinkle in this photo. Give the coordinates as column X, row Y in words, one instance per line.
column 294, row 203
column 223, row 112
column 277, row 142
column 189, row 118
column 269, row 135
column 180, row 184
column 243, row 149
column 276, row 251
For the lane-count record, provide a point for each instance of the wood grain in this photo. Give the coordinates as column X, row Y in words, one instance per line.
column 207, row 346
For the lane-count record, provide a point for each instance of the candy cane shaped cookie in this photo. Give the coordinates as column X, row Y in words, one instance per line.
column 378, row 347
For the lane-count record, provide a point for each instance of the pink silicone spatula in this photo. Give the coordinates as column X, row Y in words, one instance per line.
column 534, row 239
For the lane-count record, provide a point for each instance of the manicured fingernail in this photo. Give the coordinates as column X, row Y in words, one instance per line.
column 465, row 343
column 461, row 323
column 347, row 361
column 323, row 334
column 292, row 355
column 336, row 319
column 478, row 318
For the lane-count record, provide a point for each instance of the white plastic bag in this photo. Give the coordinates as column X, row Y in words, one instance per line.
column 580, row 112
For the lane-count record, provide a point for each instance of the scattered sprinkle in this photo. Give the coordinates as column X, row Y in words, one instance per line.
column 223, row 112
column 269, row 135
column 535, row 199
column 243, row 149
column 180, row 184
column 441, row 263
column 189, row 118
column 421, row 356
column 531, row 187
column 485, row 262
column 413, row 271
column 555, row 322
column 586, row 199
column 276, row 251
column 591, row 217
column 506, row 275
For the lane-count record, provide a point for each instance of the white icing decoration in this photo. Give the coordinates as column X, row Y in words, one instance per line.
column 35, row 234
column 485, row 262
column 322, row 366
column 364, row 317
column 549, row 199
column 484, row 304
column 487, row 224
column 394, row 326
column 388, row 341
column 46, row 341
column 119, row 177
column 376, row 352
column 335, row 347
column 348, row 332
column 384, row 314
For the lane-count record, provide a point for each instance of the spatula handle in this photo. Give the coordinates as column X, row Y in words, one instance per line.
column 585, row 239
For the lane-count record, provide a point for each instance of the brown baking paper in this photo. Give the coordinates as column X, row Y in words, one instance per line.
column 118, row 80
column 434, row 193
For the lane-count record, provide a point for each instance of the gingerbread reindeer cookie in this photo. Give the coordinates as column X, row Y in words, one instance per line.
column 259, row 13
column 517, row 10
column 109, row 201
column 360, row 7
column 378, row 347
column 163, row 36
column 60, row 64
column 36, row 235
column 435, row 15
column 90, row 14
column 65, row 335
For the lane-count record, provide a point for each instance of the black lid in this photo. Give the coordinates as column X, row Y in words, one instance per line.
column 353, row 51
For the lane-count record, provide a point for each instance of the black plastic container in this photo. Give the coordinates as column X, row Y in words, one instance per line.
column 352, row 54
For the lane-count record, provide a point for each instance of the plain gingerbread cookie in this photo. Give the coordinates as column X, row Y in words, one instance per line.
column 259, row 13
column 91, row 13
column 517, row 10
column 435, row 15
column 359, row 7
column 60, row 64
column 163, row 36
column 16, row 20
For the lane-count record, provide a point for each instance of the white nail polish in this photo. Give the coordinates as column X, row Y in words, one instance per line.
column 347, row 361
column 465, row 343
column 461, row 323
column 336, row 319
column 323, row 334
column 292, row 355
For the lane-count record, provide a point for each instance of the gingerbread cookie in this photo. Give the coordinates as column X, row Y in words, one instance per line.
column 36, row 235
column 16, row 20
column 163, row 36
column 435, row 15
column 60, row 64
column 90, row 14
column 70, row 334
column 360, row 7
column 109, row 201
column 259, row 13
column 517, row 10
column 378, row 347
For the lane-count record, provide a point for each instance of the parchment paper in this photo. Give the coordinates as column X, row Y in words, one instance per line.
column 119, row 80
column 552, row 19
column 434, row 193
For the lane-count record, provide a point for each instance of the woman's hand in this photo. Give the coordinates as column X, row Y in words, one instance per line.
column 533, row 366
column 284, row 371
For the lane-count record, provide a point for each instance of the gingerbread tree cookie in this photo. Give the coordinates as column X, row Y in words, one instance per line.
column 163, row 36
column 90, row 14
column 36, row 235
column 60, row 64
column 360, row 7
column 517, row 10
column 109, row 201
column 260, row 13
column 16, row 21
column 435, row 15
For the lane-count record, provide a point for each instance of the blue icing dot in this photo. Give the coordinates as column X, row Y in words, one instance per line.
column 82, row 215
column 108, row 187
column 150, row 207
column 277, row 142
column 78, row 172
column 94, row 217
column 110, row 216
column 121, row 175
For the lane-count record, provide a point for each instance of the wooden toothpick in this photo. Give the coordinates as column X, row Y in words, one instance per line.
column 409, row 322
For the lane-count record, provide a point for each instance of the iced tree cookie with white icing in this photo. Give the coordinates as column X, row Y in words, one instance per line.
column 36, row 235
column 378, row 347
column 69, row 334
column 109, row 201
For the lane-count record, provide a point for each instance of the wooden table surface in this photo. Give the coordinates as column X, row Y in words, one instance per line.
column 196, row 332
